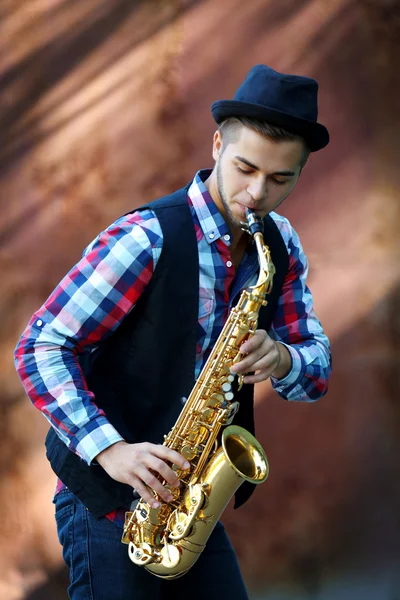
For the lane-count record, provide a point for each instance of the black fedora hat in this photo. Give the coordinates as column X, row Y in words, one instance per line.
column 288, row 101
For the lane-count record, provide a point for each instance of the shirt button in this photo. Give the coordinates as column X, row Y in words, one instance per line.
column 227, row 237
column 229, row 263
column 39, row 322
column 211, row 236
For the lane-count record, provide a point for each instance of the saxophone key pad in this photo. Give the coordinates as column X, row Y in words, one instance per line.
column 215, row 401
column 189, row 452
column 170, row 556
column 208, row 415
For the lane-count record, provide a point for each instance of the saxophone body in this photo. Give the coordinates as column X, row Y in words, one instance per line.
column 168, row 540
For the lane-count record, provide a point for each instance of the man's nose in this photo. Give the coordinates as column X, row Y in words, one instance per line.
column 257, row 189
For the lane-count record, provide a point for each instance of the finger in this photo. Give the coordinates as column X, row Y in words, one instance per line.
column 170, row 455
column 154, row 484
column 266, row 363
column 257, row 377
column 248, row 362
column 159, row 466
column 144, row 492
column 264, row 356
column 245, row 364
column 254, row 341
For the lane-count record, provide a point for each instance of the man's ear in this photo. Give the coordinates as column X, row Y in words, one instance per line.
column 217, row 145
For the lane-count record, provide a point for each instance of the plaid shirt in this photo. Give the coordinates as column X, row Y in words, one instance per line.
column 100, row 290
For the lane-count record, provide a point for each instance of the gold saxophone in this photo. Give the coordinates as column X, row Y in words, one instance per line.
column 168, row 540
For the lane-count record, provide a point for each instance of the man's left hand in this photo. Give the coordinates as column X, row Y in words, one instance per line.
column 263, row 356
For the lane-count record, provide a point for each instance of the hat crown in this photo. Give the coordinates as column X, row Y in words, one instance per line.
column 292, row 94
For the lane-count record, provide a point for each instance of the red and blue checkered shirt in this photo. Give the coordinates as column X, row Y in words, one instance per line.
column 92, row 300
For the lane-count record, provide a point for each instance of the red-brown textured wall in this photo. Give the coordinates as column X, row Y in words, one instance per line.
column 105, row 105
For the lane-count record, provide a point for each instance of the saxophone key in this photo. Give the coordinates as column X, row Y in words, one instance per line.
column 157, row 516
column 174, row 491
column 180, row 472
column 231, row 412
column 140, row 554
column 194, row 499
column 189, row 451
column 178, row 525
column 208, row 415
column 198, row 434
column 129, row 528
column 214, row 401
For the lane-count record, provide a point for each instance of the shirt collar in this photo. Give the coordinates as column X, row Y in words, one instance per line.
column 210, row 219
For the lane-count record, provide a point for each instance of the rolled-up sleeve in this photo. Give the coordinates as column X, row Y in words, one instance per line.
column 297, row 326
column 85, row 308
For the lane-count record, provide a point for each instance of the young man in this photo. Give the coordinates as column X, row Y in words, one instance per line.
column 122, row 338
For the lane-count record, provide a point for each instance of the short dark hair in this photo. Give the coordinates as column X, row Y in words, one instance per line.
column 230, row 129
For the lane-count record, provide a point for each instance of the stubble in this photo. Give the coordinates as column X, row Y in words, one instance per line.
column 231, row 221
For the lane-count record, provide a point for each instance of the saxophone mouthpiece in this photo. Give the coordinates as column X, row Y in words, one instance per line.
column 254, row 222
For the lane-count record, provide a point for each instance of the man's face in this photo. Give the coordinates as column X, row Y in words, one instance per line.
column 254, row 172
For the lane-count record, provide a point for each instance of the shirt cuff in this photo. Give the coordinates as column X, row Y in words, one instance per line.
column 294, row 373
column 95, row 437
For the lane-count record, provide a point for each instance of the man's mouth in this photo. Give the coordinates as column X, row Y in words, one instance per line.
column 244, row 206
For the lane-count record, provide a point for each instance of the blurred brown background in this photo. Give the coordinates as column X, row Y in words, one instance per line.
column 104, row 104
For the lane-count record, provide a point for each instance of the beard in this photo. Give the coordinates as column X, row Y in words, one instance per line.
column 231, row 220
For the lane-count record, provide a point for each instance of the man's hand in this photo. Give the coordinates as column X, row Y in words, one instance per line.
column 264, row 356
column 139, row 464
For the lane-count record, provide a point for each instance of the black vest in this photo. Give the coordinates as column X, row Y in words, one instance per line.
column 140, row 373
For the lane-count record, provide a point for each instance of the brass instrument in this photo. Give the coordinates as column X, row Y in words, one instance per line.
column 168, row 540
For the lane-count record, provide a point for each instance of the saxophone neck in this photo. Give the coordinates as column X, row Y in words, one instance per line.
column 254, row 226
column 267, row 267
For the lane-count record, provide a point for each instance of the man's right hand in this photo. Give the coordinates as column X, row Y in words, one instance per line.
column 138, row 464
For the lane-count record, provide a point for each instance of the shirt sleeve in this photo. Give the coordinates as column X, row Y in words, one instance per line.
column 86, row 307
column 296, row 326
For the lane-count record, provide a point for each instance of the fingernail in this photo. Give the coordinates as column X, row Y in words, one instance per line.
column 186, row 465
column 170, row 498
column 156, row 504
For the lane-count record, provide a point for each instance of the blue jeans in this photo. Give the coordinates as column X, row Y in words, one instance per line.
column 100, row 568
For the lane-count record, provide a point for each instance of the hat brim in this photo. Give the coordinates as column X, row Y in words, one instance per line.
column 315, row 134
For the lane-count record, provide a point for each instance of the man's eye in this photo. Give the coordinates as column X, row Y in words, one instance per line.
column 245, row 171
column 278, row 181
